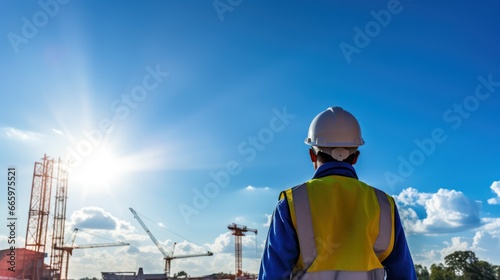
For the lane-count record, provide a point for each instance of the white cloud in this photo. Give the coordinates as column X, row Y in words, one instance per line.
column 269, row 219
column 90, row 262
column 484, row 244
column 57, row 131
column 252, row 188
column 426, row 257
column 491, row 224
column 409, row 219
column 91, row 217
column 18, row 134
column 495, row 187
column 412, row 197
column 248, row 242
column 221, row 243
column 95, row 220
column 446, row 211
column 457, row 244
column 435, row 256
column 494, row 200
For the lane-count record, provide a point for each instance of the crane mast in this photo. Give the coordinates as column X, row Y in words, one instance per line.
column 239, row 231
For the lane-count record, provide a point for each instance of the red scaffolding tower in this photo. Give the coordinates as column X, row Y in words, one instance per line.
column 38, row 218
column 58, row 259
column 45, row 175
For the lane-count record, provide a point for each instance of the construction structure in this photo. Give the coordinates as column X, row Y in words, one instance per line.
column 58, row 260
column 130, row 275
column 68, row 251
column 140, row 275
column 170, row 256
column 14, row 269
column 38, row 219
column 43, row 238
column 238, row 231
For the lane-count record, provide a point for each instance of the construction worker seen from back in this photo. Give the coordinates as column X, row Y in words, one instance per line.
column 334, row 226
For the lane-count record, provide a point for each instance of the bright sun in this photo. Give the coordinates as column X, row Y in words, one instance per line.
column 100, row 169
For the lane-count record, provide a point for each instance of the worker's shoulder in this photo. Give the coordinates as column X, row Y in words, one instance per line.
column 374, row 188
column 331, row 179
column 283, row 193
column 379, row 192
column 350, row 181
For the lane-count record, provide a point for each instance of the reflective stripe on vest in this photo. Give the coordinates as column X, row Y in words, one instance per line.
column 376, row 274
column 302, row 218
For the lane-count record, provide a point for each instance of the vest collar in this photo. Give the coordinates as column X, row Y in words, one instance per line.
column 335, row 168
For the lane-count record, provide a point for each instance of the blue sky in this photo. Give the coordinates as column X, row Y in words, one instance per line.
column 194, row 113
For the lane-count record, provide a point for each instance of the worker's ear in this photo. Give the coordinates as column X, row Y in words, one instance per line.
column 313, row 156
column 355, row 159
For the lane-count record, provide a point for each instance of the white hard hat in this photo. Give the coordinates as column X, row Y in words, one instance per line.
column 336, row 132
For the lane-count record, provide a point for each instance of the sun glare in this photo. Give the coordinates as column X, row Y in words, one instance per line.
column 101, row 169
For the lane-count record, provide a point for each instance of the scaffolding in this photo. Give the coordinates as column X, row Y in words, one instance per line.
column 58, row 259
column 38, row 218
column 46, row 174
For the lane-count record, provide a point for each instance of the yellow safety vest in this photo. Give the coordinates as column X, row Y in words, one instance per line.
column 345, row 228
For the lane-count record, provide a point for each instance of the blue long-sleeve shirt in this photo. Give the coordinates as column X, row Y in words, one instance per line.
column 282, row 249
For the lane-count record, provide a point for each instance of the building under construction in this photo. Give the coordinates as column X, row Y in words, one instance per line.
column 43, row 239
column 45, row 229
column 46, row 257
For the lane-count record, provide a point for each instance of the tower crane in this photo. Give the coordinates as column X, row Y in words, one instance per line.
column 238, row 231
column 170, row 256
column 69, row 249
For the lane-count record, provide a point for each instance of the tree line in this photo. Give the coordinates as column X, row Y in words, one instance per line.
column 459, row 265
